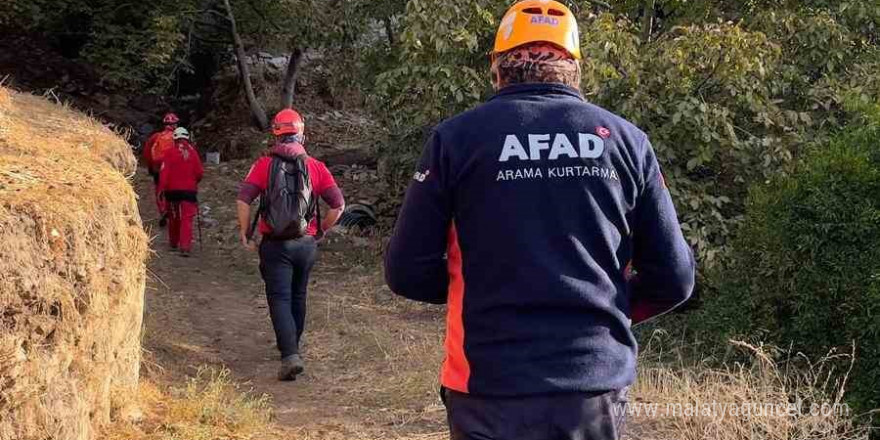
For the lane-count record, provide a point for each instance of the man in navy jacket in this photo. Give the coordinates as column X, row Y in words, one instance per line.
column 545, row 225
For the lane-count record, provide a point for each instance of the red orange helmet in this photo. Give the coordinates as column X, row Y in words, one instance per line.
column 532, row 21
column 288, row 121
column 170, row 119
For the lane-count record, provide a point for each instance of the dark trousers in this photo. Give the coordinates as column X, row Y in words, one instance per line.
column 285, row 266
column 572, row 416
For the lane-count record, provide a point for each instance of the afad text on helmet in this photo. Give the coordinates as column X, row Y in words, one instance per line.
column 543, row 19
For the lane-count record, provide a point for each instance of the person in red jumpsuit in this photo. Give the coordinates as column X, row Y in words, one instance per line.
column 179, row 178
column 154, row 152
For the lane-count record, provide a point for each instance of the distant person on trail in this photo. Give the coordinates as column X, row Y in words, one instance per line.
column 545, row 225
column 289, row 183
column 154, row 152
column 179, row 177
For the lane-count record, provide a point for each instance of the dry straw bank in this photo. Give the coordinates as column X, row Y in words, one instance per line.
column 72, row 272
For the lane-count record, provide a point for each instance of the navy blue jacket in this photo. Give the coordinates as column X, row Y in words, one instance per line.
column 525, row 217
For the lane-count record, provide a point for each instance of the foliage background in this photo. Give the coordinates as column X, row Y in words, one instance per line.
column 753, row 107
column 805, row 268
column 728, row 91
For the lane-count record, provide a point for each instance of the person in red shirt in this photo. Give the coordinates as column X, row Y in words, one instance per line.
column 154, row 151
column 179, row 178
column 285, row 264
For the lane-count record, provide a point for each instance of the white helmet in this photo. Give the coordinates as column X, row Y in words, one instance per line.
column 181, row 133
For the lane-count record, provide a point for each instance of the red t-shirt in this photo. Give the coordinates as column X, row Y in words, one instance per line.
column 320, row 176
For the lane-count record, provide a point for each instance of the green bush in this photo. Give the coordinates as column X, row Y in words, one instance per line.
column 133, row 46
column 729, row 91
column 805, row 268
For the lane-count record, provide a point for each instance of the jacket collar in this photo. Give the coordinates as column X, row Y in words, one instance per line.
column 537, row 89
column 287, row 150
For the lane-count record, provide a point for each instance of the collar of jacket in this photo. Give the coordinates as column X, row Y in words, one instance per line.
column 288, row 150
column 537, row 89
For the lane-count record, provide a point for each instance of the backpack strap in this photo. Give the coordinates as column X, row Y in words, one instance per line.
column 253, row 228
column 320, row 232
column 263, row 199
column 316, row 200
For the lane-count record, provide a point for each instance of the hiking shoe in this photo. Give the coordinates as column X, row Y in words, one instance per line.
column 184, row 253
column 291, row 367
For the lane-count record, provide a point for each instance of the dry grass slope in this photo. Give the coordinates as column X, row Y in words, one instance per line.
column 72, row 272
column 210, row 406
column 798, row 400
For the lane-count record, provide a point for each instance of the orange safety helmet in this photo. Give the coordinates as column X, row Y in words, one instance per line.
column 288, row 121
column 532, row 21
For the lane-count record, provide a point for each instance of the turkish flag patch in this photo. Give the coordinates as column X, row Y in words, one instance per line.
column 603, row 132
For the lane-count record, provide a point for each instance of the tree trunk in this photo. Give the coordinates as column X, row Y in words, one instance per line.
column 257, row 111
column 648, row 20
column 293, row 68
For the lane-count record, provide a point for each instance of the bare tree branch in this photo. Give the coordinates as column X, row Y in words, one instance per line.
column 257, row 111
column 648, row 21
column 185, row 60
column 293, row 69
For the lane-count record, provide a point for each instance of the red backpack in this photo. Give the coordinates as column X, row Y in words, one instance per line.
column 164, row 142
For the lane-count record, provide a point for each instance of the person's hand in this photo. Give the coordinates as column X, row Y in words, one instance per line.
column 248, row 244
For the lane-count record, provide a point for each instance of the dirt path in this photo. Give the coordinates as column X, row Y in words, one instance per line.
column 371, row 358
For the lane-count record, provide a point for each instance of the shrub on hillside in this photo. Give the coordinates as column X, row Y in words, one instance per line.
column 726, row 103
column 805, row 269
